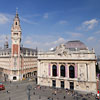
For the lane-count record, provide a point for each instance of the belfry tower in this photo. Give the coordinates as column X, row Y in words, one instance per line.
column 15, row 47
column 16, row 36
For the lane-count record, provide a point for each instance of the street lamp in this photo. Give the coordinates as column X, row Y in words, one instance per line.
column 29, row 87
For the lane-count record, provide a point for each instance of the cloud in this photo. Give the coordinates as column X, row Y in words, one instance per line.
column 88, row 25
column 90, row 38
column 56, row 42
column 62, row 22
column 27, row 21
column 74, row 34
column 98, row 32
column 44, row 42
column 3, row 19
column 6, row 18
column 45, row 16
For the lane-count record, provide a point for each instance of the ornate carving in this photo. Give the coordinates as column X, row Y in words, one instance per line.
column 61, row 51
column 81, row 72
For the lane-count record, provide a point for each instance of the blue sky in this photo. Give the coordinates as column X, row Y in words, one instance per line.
column 48, row 23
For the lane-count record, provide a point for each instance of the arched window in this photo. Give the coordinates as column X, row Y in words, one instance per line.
column 62, row 70
column 16, row 23
column 14, row 78
column 54, row 70
column 71, row 72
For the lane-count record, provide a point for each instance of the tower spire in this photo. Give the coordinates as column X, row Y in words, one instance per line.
column 6, row 45
column 16, row 10
column 16, row 13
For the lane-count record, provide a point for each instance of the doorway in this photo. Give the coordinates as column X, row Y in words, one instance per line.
column 14, row 78
column 62, row 84
column 53, row 83
column 72, row 85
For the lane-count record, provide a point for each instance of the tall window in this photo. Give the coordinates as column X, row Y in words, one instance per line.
column 54, row 70
column 71, row 72
column 62, row 70
column 16, row 23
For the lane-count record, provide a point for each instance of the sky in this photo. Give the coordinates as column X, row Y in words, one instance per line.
column 47, row 23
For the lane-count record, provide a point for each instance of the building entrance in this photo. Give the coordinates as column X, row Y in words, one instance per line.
column 14, row 78
column 62, row 84
column 53, row 83
column 72, row 85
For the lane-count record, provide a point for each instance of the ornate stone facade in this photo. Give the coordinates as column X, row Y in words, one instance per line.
column 17, row 62
column 69, row 65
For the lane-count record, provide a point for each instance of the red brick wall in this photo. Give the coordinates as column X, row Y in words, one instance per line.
column 15, row 49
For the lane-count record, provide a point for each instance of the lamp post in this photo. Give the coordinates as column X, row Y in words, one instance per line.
column 29, row 87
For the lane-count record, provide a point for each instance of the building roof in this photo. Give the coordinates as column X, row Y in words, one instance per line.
column 28, row 50
column 75, row 44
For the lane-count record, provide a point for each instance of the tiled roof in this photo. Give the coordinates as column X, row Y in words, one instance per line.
column 75, row 44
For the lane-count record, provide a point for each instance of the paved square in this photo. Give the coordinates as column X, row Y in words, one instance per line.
column 18, row 91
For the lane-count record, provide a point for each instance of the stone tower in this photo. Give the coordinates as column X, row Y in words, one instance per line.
column 15, row 48
column 16, row 36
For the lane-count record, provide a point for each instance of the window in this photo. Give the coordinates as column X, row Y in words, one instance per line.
column 15, row 33
column 16, row 23
column 62, row 70
column 54, row 70
column 71, row 71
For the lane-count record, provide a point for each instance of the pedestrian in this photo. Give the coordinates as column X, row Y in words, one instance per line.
column 39, row 97
column 48, row 98
column 55, row 92
column 34, row 93
column 40, row 87
column 64, row 97
column 9, row 98
column 17, row 86
column 8, row 91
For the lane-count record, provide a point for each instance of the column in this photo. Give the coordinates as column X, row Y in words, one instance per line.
column 57, row 69
column 49, row 69
column 76, row 70
column 66, row 72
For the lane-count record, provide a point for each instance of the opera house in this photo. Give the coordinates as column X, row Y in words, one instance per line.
column 71, row 65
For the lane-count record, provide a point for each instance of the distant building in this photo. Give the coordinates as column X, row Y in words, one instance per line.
column 70, row 65
column 17, row 62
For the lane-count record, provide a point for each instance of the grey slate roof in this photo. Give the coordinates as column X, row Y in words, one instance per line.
column 23, row 51
column 28, row 50
column 75, row 44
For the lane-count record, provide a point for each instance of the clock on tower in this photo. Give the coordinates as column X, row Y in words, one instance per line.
column 16, row 36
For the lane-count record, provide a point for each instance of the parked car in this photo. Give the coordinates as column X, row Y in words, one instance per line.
column 2, row 87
